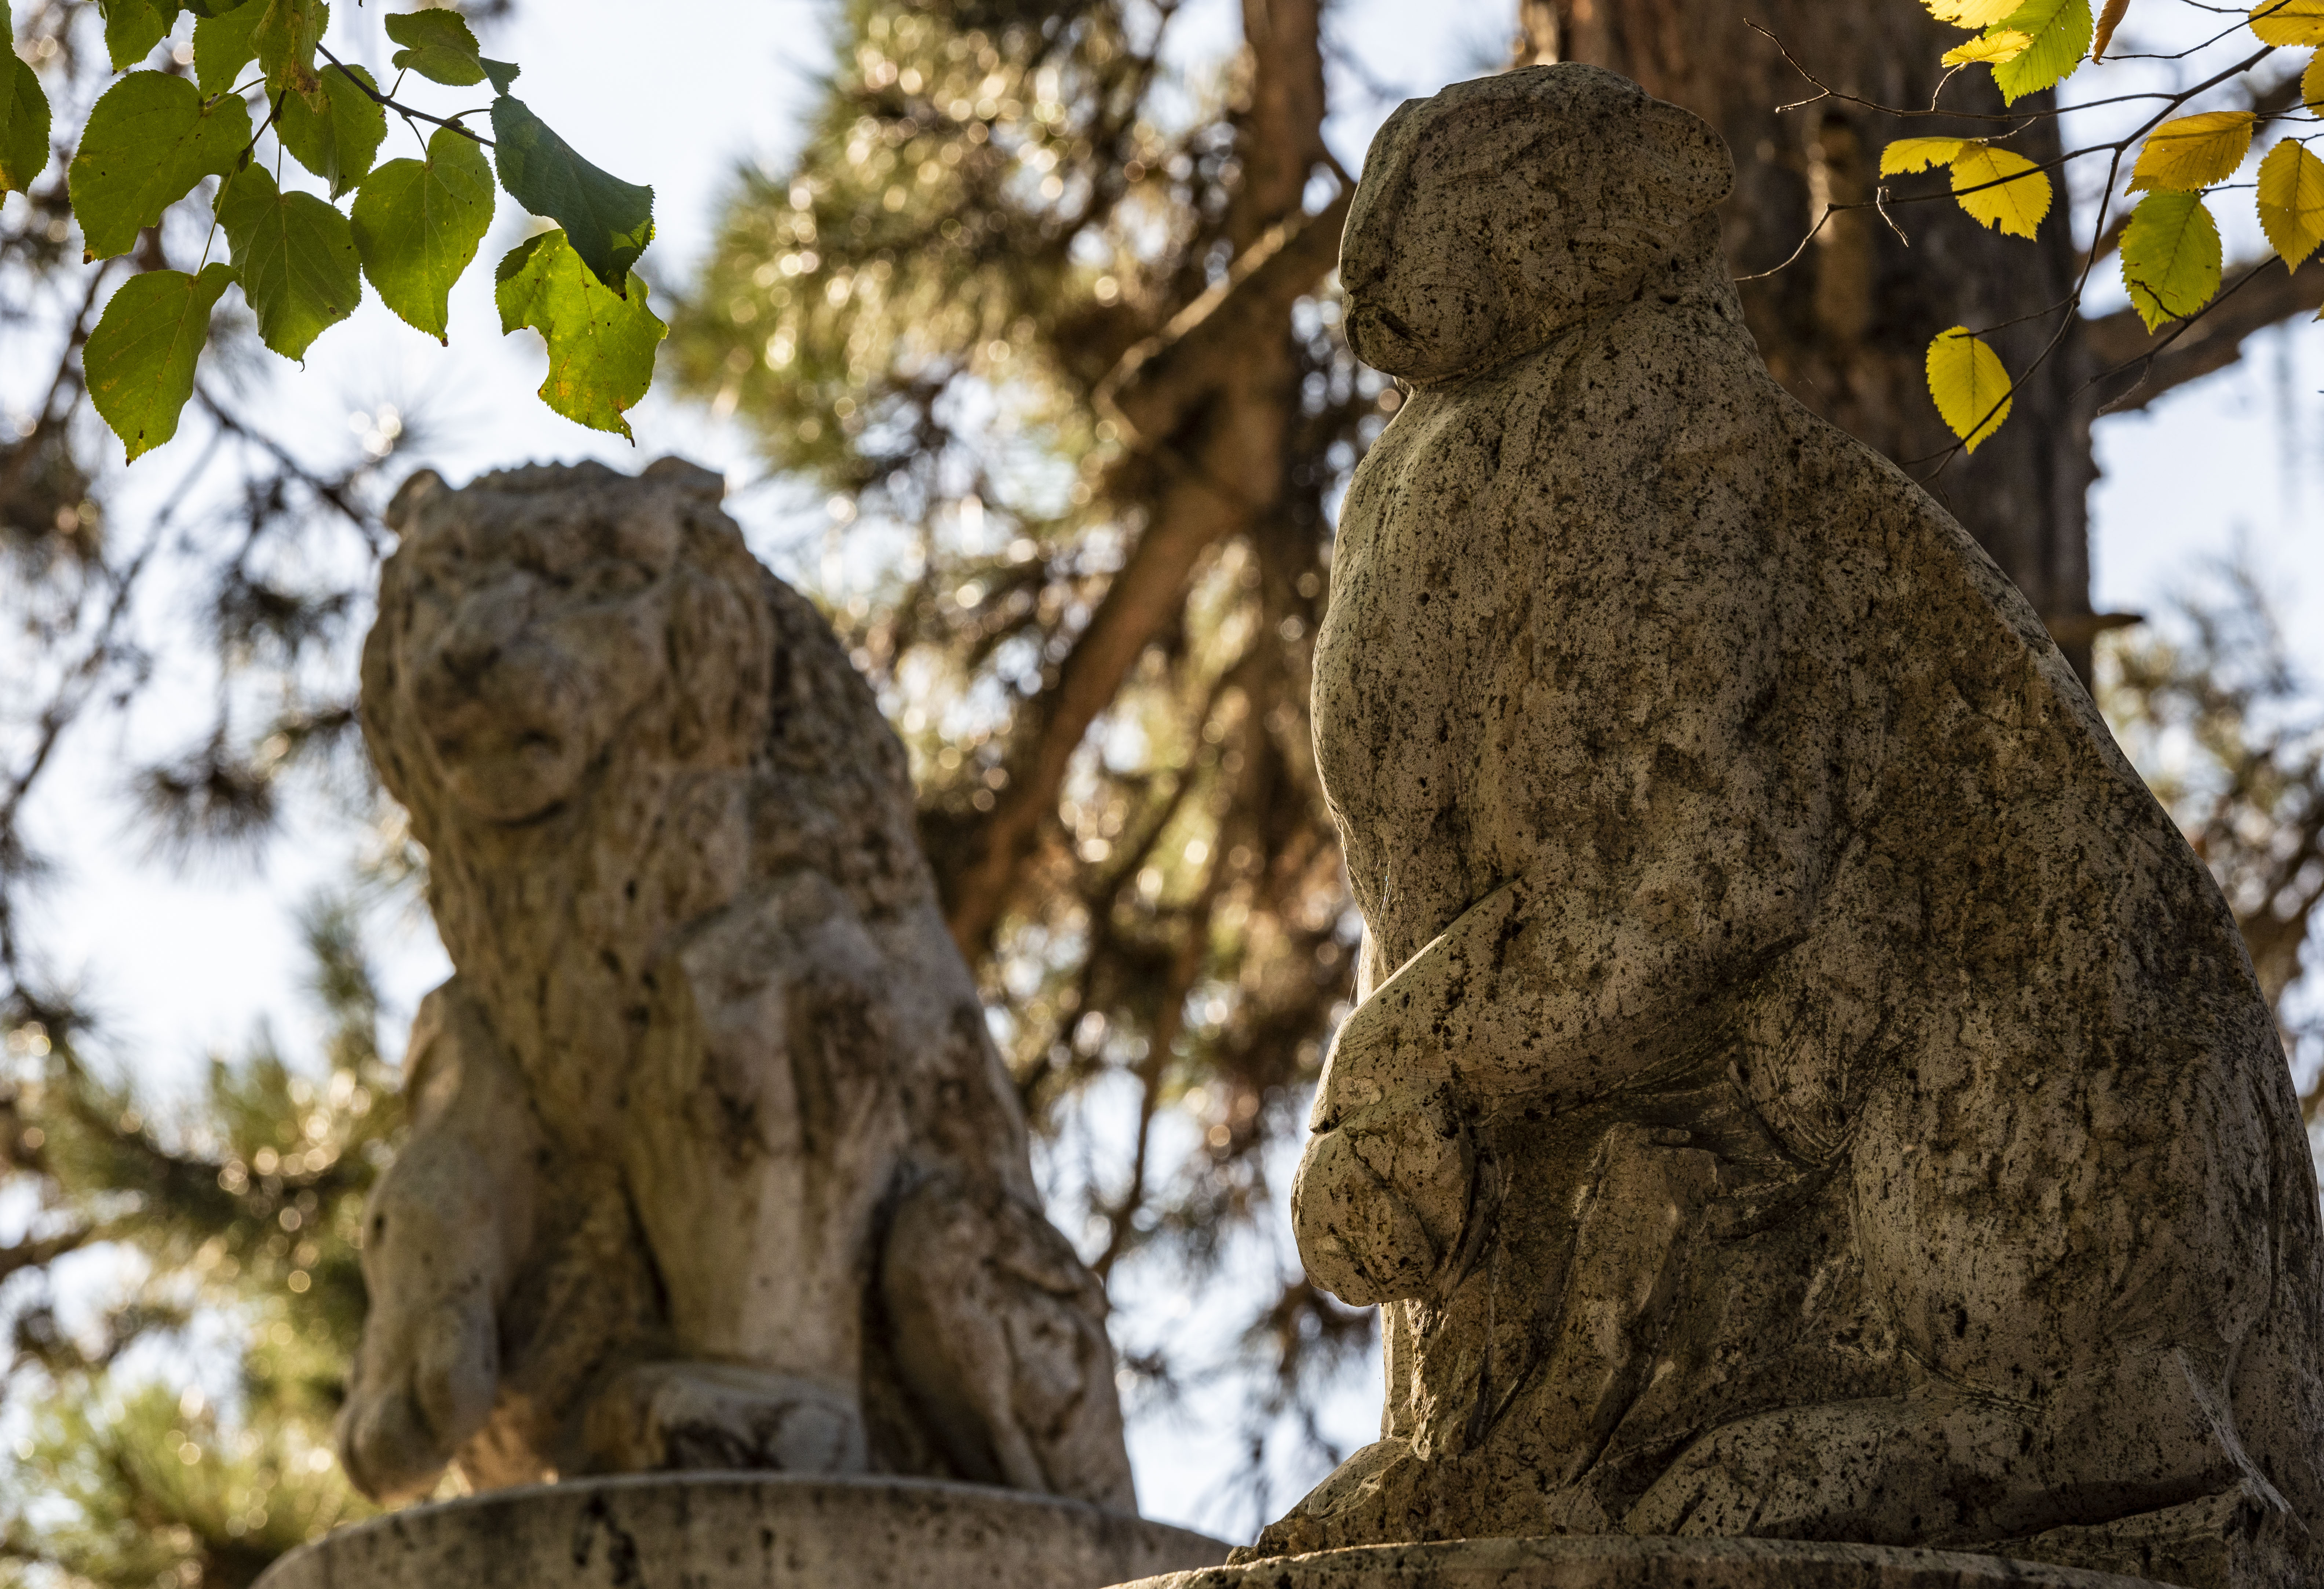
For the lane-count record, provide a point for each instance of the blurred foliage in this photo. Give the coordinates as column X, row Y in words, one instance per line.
column 180, row 1295
column 182, row 1437
column 2229, row 734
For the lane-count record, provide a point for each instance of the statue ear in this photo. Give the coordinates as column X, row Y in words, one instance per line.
column 1688, row 164
column 409, row 497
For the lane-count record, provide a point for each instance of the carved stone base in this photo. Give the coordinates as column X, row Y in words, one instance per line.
column 1624, row 1562
column 745, row 1531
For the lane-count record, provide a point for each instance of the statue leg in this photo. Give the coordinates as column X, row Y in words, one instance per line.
column 443, row 1232
column 661, row 1415
column 1949, row 1467
column 999, row 1336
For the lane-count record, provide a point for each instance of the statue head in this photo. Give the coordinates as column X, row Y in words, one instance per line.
column 1503, row 209
column 520, row 635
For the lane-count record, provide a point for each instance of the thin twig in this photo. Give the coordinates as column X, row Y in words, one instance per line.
column 401, row 109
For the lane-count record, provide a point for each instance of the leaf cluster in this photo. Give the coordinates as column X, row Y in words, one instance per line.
column 2169, row 247
column 160, row 136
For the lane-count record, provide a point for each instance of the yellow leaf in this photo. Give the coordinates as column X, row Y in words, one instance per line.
column 2292, row 201
column 2170, row 257
column 2289, row 22
column 2312, row 83
column 1971, row 14
column 2194, row 152
column 1999, row 45
column 1918, row 155
column 2108, row 19
column 1969, row 385
column 1986, row 182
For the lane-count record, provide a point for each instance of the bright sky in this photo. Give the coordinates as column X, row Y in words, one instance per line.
column 186, row 966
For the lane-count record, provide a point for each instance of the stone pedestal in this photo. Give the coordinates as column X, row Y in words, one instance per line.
column 745, row 1531
column 1625, row 1562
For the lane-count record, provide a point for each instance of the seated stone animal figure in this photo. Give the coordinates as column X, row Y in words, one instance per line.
column 1803, row 1086
column 712, row 1161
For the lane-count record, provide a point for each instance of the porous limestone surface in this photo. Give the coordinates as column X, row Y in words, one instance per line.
column 744, row 1531
column 713, row 1163
column 1616, row 1562
column 1802, row 1086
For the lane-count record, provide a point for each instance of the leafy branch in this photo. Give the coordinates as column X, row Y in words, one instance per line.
column 2168, row 246
column 300, row 261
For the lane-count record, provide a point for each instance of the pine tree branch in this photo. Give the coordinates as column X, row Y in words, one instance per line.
column 1150, row 393
column 2212, row 343
column 1205, row 399
column 45, row 1250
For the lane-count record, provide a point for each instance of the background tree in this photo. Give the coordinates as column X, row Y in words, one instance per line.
column 244, row 1221
column 2225, row 727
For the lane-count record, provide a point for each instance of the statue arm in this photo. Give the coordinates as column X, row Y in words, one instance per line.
column 1599, row 970
column 1491, row 1014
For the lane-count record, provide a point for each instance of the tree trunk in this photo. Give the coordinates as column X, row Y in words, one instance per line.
column 1845, row 327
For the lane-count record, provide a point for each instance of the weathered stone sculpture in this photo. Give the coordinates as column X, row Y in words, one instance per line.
column 712, row 1163
column 1805, row 1087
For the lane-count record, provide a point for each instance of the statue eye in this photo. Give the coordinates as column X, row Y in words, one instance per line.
column 611, row 578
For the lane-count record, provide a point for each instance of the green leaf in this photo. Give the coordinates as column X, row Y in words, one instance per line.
column 286, row 38
column 225, row 43
column 439, row 45
column 601, row 344
column 218, row 7
column 416, row 226
column 338, row 142
column 295, row 257
column 608, row 221
column 2060, row 30
column 24, row 125
column 140, row 360
column 149, row 138
column 133, row 27
column 2170, row 257
column 1969, row 383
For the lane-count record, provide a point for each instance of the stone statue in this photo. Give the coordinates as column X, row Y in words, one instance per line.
column 1805, row 1087
column 712, row 1162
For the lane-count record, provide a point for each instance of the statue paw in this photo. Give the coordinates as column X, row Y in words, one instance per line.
column 1376, row 1208
column 700, row 1416
column 415, row 1395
